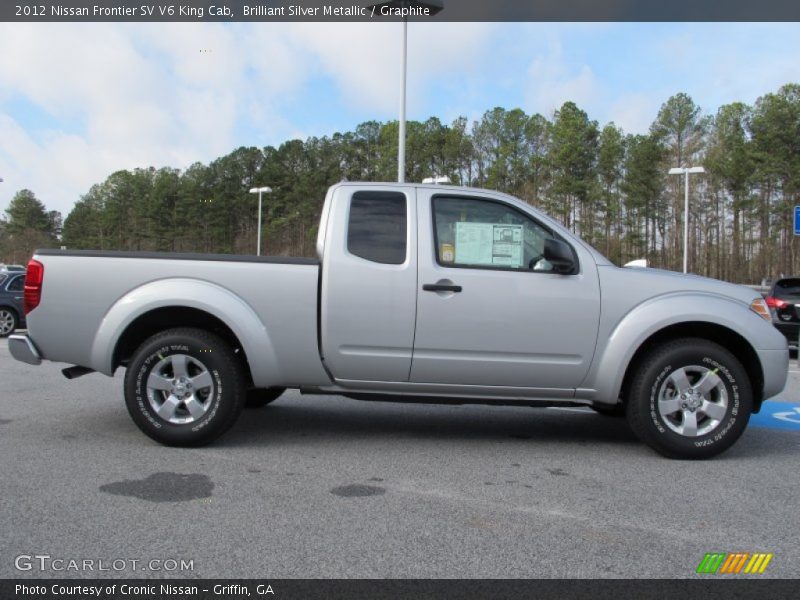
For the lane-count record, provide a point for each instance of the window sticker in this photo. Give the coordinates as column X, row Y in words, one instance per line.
column 488, row 244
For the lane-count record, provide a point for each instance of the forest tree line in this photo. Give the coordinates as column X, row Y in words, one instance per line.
column 610, row 187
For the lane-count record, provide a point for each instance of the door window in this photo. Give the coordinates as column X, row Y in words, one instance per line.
column 486, row 234
column 378, row 226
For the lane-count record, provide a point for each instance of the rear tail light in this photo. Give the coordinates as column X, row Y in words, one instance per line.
column 773, row 302
column 33, row 285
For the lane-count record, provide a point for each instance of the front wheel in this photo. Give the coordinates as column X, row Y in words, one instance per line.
column 184, row 387
column 690, row 398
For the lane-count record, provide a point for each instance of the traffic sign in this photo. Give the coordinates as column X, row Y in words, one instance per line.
column 797, row 220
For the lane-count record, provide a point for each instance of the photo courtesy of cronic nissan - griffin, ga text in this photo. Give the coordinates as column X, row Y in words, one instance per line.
column 420, row 293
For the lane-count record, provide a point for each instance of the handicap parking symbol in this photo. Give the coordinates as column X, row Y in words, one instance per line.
column 778, row 415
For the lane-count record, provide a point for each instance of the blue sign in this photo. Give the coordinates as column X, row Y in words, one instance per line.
column 797, row 220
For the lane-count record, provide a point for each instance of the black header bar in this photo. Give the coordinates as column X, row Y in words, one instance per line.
column 708, row 588
column 356, row 10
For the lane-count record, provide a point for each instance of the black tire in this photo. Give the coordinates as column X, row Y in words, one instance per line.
column 657, row 373
column 9, row 321
column 206, row 358
column 256, row 398
column 610, row 410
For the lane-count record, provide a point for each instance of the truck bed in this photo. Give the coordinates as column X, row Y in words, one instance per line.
column 90, row 296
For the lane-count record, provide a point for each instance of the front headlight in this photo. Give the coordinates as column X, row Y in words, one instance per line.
column 759, row 306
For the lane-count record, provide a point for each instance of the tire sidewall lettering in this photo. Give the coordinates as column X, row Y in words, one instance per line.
column 654, row 416
column 733, row 407
column 218, row 398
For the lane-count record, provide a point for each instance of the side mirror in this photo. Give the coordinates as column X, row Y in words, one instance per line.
column 560, row 255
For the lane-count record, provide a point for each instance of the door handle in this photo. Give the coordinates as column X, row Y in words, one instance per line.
column 438, row 287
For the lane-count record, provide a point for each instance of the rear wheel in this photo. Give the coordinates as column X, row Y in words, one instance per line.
column 256, row 398
column 690, row 398
column 184, row 387
column 8, row 322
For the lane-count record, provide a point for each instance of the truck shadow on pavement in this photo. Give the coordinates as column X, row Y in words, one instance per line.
column 335, row 421
column 294, row 421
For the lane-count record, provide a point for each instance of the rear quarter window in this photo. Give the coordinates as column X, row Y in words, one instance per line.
column 377, row 229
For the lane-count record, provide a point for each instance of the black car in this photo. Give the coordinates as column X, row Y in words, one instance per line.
column 784, row 304
column 11, row 314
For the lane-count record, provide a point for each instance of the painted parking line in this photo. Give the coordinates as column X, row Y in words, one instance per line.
column 778, row 415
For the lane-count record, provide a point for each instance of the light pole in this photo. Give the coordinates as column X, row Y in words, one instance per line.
column 685, row 172
column 259, row 191
column 433, row 7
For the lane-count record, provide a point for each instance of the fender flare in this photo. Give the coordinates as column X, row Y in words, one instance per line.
column 190, row 293
column 604, row 381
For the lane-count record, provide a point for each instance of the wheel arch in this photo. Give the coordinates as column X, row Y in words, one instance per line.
column 724, row 336
column 10, row 307
column 170, row 317
column 184, row 302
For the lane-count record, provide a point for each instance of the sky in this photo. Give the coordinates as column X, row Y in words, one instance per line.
column 80, row 101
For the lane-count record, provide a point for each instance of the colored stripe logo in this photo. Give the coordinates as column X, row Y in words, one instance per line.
column 720, row 563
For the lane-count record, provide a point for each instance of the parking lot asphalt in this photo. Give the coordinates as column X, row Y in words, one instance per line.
column 321, row 487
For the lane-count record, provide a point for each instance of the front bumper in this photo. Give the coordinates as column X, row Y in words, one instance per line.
column 775, row 365
column 23, row 349
column 790, row 330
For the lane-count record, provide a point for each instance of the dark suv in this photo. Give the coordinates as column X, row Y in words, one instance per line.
column 784, row 304
column 11, row 314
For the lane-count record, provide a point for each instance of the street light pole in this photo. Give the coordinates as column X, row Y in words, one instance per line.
column 401, row 142
column 431, row 7
column 685, row 172
column 259, row 191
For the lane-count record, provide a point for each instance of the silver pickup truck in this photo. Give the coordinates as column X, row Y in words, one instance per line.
column 424, row 293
